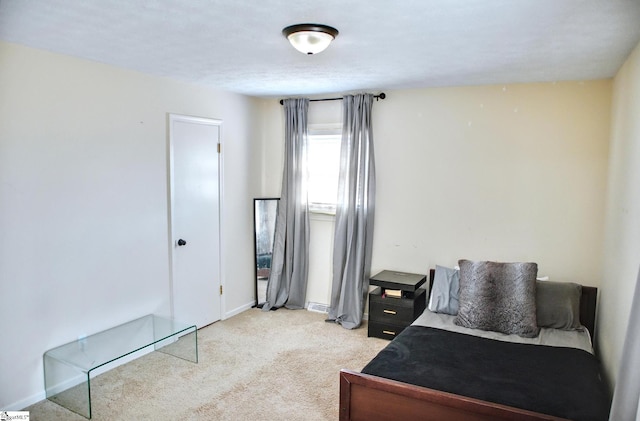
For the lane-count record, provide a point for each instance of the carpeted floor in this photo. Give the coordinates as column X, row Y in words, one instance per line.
column 280, row 365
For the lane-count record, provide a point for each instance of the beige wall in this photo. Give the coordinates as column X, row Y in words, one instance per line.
column 508, row 173
column 622, row 240
column 83, row 202
column 514, row 172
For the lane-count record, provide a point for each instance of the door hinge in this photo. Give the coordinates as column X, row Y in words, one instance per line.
column 220, row 289
column 219, row 148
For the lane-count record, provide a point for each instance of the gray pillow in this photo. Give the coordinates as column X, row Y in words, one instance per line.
column 444, row 294
column 558, row 304
column 499, row 297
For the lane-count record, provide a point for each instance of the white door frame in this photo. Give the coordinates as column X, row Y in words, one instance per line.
column 170, row 203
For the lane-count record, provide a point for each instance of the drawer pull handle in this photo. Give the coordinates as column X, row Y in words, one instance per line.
column 388, row 332
column 389, row 311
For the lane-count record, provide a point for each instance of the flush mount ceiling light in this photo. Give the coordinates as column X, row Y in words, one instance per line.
column 310, row 38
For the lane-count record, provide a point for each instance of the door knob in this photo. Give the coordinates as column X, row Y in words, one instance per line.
column 181, row 242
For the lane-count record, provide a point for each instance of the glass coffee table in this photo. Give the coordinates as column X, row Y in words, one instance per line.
column 68, row 369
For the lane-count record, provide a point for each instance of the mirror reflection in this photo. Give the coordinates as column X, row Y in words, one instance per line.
column 265, row 211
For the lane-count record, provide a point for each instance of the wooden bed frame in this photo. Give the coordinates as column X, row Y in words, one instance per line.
column 364, row 397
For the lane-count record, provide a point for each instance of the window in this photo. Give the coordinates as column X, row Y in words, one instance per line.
column 323, row 154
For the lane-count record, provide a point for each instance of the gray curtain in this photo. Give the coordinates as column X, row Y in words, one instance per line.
column 287, row 284
column 354, row 214
column 626, row 397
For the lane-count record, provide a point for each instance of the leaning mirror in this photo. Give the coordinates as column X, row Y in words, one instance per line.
column 264, row 224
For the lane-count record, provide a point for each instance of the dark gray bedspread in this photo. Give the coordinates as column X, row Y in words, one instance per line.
column 563, row 382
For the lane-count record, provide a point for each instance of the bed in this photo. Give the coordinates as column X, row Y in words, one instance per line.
column 436, row 371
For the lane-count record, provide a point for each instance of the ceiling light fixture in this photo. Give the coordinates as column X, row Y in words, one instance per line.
column 310, row 38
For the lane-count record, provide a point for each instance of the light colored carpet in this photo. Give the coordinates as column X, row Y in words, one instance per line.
column 280, row 365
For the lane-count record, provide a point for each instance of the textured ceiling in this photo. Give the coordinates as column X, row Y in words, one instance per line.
column 383, row 44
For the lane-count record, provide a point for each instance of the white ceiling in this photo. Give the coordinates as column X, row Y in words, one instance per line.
column 237, row 45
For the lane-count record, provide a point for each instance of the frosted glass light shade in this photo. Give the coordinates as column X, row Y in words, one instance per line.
column 309, row 42
column 310, row 38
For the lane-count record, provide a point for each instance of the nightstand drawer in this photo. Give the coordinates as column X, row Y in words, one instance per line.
column 384, row 330
column 389, row 316
column 390, row 310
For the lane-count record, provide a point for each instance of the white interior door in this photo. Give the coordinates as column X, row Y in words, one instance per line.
column 195, row 219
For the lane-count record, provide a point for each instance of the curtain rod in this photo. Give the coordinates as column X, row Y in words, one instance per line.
column 382, row 95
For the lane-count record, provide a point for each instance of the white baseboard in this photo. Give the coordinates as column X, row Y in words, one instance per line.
column 23, row 403
column 238, row 310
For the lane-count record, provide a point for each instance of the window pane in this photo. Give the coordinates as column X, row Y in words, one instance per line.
column 324, row 169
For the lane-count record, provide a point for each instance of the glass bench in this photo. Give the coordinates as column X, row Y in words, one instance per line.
column 68, row 369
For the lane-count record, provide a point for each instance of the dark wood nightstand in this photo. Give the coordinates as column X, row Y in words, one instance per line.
column 388, row 316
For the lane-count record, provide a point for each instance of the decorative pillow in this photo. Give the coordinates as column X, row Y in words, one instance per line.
column 444, row 294
column 499, row 297
column 558, row 304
